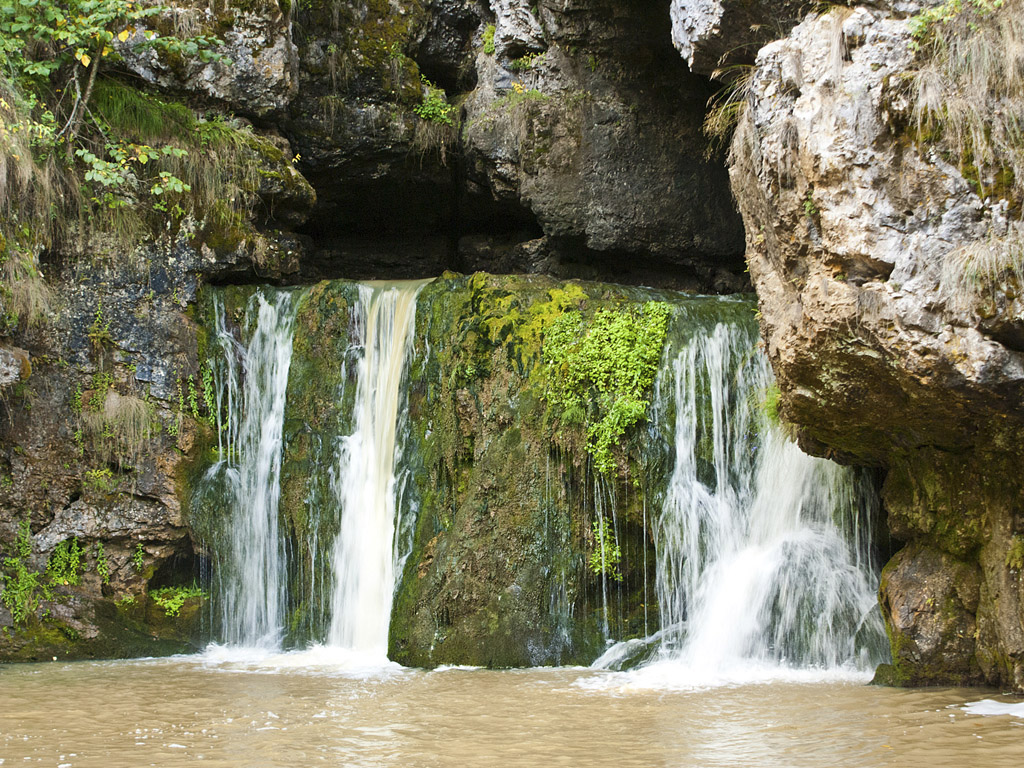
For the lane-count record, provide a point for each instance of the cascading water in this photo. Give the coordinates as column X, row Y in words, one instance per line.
column 254, row 384
column 366, row 552
column 761, row 563
column 253, row 569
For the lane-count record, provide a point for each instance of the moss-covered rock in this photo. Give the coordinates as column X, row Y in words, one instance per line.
column 507, row 491
column 318, row 413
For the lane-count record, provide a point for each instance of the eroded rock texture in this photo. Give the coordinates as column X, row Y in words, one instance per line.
column 716, row 34
column 881, row 358
column 564, row 137
column 594, row 130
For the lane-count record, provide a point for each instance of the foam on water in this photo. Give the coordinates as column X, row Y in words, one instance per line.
column 993, row 707
column 316, row 659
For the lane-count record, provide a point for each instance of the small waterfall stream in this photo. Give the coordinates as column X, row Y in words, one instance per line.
column 255, row 380
column 761, row 563
column 366, row 556
column 252, row 576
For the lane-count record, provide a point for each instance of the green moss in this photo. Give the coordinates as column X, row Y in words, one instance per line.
column 600, row 372
column 504, row 488
column 1015, row 553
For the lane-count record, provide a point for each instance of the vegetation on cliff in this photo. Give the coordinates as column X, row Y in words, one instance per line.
column 93, row 163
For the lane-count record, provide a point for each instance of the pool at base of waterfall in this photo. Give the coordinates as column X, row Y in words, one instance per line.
column 229, row 707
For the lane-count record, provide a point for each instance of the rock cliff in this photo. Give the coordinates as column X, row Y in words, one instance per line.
column 894, row 344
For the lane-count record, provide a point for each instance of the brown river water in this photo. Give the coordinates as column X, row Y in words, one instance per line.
column 294, row 710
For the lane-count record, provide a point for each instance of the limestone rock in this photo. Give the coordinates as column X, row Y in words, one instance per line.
column 713, row 33
column 929, row 603
column 596, row 132
column 15, row 365
column 254, row 71
column 852, row 228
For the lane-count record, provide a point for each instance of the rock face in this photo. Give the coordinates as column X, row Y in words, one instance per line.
column 595, row 129
column 505, row 494
column 92, row 442
column 711, row 34
column 255, row 69
column 559, row 141
column 884, row 354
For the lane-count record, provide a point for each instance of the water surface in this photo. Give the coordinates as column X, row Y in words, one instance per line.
column 310, row 709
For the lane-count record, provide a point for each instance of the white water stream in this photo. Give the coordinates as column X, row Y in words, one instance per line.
column 366, row 557
column 762, row 568
column 255, row 385
column 761, row 564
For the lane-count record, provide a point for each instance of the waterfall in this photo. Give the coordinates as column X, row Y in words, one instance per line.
column 761, row 562
column 367, row 554
column 254, row 381
column 252, row 575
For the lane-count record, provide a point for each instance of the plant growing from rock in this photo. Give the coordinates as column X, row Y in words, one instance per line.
column 23, row 588
column 102, row 564
column 66, row 563
column 600, row 372
column 435, row 107
column 967, row 91
column 137, row 560
column 172, row 599
column 605, row 559
column 727, row 105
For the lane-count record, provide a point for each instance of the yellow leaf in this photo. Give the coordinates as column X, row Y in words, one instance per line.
column 143, row 159
column 106, row 51
column 122, row 35
column 85, row 59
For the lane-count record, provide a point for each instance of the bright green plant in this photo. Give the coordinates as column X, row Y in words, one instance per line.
column 23, row 587
column 137, row 560
column 99, row 329
column 528, row 61
column 600, row 372
column 435, row 107
column 102, row 565
column 171, row 599
column 65, row 563
column 489, row 39
column 193, row 397
column 67, row 40
column 209, row 397
column 607, row 555
column 810, row 208
column 101, row 480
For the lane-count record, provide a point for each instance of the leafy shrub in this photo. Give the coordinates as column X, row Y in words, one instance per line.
column 23, row 587
column 65, row 563
column 171, row 599
column 605, row 368
column 528, row 61
column 102, row 565
column 435, row 108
